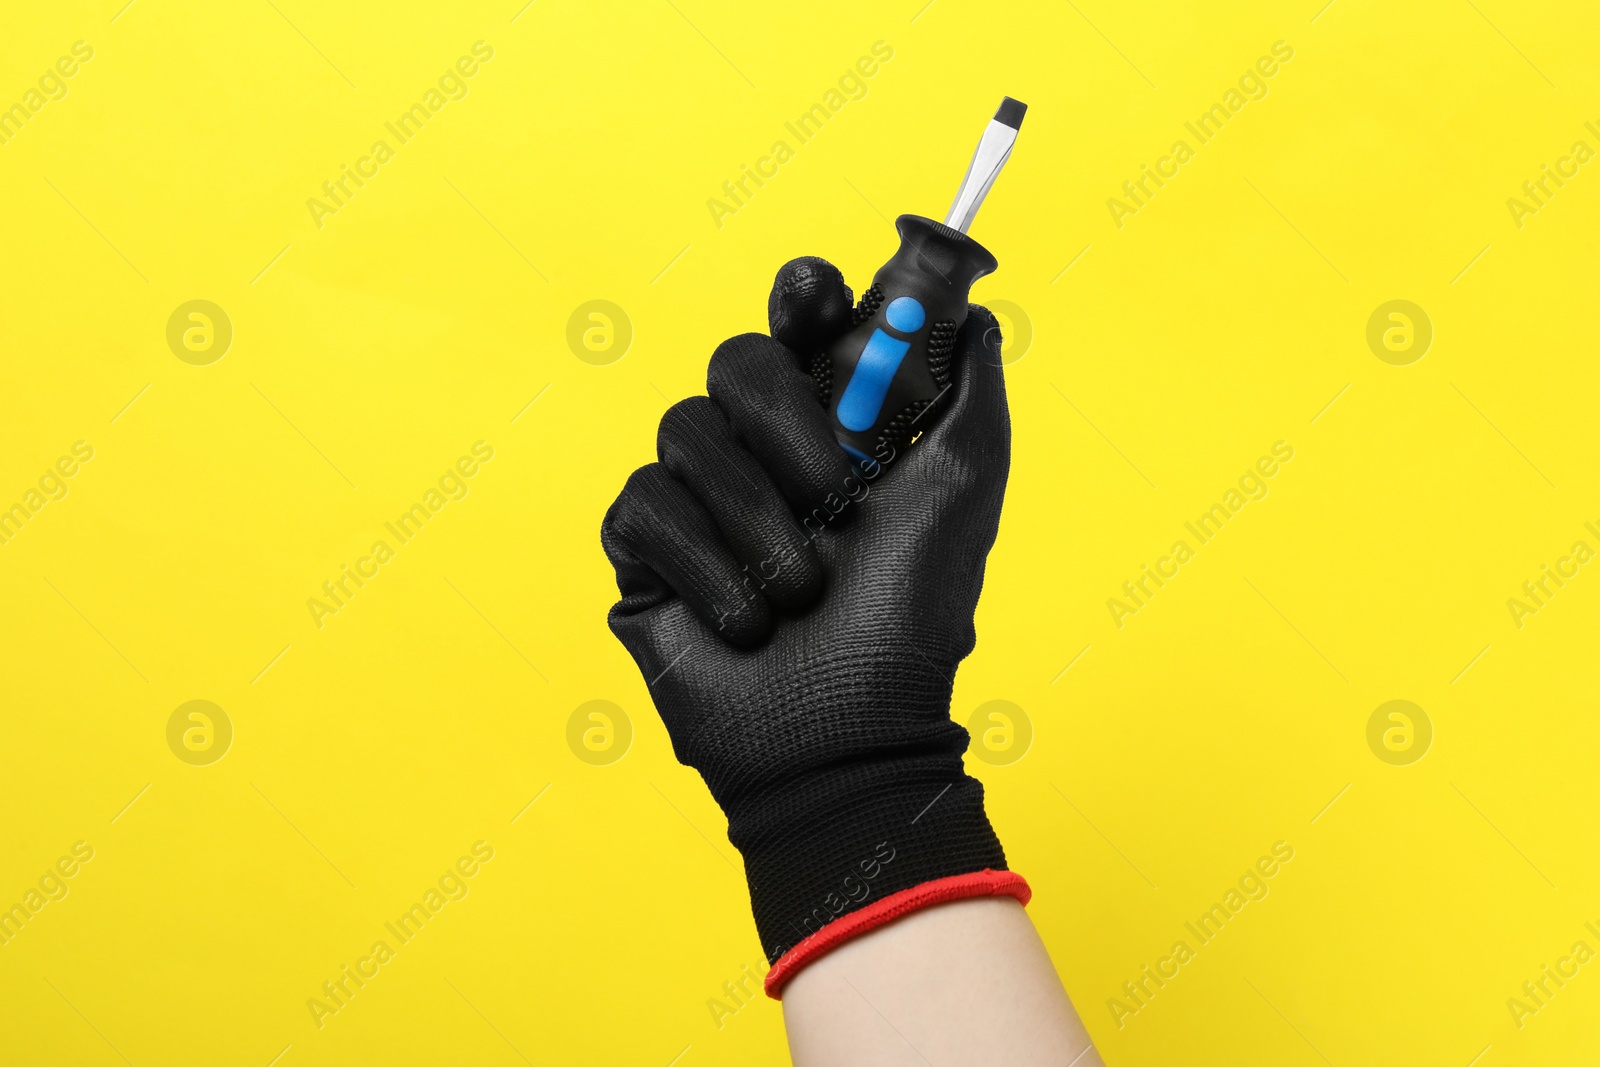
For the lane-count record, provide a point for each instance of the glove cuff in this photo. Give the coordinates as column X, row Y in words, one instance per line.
column 854, row 847
column 985, row 883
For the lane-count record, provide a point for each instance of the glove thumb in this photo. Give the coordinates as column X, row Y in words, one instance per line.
column 969, row 441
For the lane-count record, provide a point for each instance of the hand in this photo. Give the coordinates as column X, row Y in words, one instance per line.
column 799, row 621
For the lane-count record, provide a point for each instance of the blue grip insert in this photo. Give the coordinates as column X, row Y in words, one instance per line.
column 862, row 399
column 905, row 314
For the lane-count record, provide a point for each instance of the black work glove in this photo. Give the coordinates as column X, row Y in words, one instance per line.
column 799, row 622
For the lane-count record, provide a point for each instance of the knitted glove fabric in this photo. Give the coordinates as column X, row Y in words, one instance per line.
column 799, row 623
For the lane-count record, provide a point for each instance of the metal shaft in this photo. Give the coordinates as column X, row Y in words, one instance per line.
column 993, row 151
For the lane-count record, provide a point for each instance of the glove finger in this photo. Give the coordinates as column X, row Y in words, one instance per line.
column 641, row 587
column 696, row 445
column 809, row 306
column 658, row 524
column 773, row 409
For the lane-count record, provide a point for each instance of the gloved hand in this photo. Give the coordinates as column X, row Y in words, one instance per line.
column 799, row 622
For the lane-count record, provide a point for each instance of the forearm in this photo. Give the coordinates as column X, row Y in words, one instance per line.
column 965, row 982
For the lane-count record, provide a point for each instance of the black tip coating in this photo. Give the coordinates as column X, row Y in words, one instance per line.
column 1011, row 112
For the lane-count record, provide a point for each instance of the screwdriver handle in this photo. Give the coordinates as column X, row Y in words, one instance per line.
column 893, row 365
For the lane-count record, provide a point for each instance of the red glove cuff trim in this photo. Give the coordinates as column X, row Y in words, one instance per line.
column 984, row 883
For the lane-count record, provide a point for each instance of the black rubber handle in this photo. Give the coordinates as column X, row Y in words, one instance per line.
column 890, row 369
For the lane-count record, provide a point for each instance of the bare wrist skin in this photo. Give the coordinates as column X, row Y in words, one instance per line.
column 961, row 983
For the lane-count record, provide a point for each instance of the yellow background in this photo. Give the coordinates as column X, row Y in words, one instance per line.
column 370, row 353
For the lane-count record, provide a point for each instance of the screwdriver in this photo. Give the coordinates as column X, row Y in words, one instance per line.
column 893, row 364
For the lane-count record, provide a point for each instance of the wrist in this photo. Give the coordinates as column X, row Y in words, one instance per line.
column 889, row 909
column 852, row 847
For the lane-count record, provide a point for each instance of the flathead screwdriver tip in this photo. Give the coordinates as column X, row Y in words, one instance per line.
column 993, row 150
column 1011, row 112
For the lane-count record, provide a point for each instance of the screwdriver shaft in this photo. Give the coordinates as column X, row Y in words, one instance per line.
column 993, row 150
